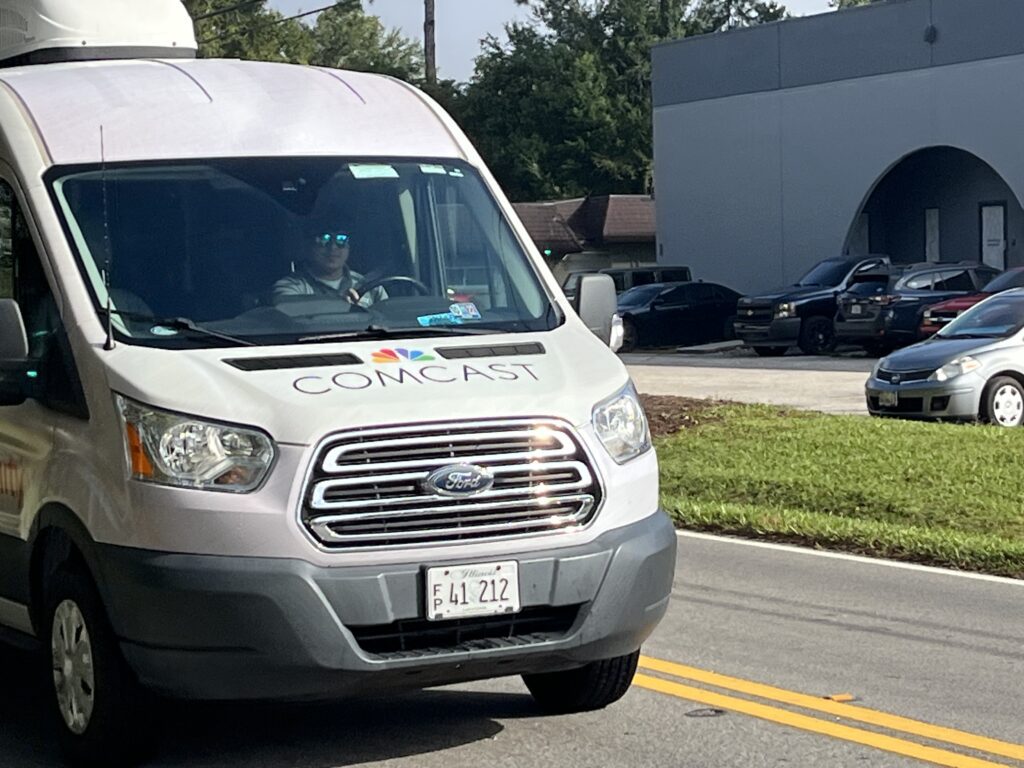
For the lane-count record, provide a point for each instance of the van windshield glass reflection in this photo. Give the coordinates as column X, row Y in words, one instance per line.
column 282, row 250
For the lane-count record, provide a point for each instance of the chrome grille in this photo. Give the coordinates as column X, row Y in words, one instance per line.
column 365, row 489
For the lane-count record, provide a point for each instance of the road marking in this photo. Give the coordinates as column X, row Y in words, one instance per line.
column 838, row 709
column 851, row 558
column 813, row 724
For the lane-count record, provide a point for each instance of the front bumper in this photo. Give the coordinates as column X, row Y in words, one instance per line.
column 779, row 333
column 955, row 400
column 209, row 627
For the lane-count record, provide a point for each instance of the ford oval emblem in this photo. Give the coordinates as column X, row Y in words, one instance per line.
column 459, row 480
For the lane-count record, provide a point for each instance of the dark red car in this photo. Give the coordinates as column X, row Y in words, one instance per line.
column 939, row 315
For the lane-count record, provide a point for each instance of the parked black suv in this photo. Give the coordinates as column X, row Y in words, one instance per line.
column 885, row 314
column 801, row 314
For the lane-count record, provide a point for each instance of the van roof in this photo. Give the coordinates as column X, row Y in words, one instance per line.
column 177, row 109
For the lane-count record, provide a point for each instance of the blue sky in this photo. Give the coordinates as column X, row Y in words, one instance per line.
column 461, row 24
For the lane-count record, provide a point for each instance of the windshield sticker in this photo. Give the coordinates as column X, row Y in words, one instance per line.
column 458, row 174
column 373, row 171
column 398, row 355
column 456, row 315
column 466, row 311
column 414, row 375
column 162, row 330
column 447, row 318
column 438, row 169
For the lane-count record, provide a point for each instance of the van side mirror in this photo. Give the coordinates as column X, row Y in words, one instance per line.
column 597, row 304
column 15, row 373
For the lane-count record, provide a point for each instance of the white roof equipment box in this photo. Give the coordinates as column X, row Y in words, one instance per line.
column 45, row 31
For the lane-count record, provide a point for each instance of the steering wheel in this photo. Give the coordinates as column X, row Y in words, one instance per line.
column 365, row 288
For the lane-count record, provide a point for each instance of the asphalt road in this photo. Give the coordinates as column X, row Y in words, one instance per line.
column 828, row 384
column 934, row 662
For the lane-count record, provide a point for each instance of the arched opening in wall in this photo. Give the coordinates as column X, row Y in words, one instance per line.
column 941, row 204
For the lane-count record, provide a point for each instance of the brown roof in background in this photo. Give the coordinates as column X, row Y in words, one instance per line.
column 627, row 218
column 548, row 226
column 569, row 226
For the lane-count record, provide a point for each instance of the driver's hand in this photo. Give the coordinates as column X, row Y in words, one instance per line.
column 352, row 296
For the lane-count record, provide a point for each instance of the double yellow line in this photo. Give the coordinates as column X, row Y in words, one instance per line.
column 826, row 727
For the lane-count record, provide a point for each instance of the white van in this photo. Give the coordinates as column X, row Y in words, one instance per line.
column 291, row 406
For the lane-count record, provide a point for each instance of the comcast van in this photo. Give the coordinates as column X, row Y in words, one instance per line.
column 290, row 407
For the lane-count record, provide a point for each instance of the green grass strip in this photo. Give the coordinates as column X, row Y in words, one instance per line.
column 948, row 495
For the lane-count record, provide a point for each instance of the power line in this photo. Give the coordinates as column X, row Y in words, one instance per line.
column 273, row 23
column 229, row 9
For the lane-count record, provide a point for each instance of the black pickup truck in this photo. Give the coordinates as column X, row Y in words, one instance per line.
column 800, row 314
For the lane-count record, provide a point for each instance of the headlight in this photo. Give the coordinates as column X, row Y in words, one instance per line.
column 784, row 310
column 622, row 426
column 173, row 449
column 958, row 367
column 879, row 366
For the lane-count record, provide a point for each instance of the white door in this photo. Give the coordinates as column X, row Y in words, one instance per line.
column 931, row 234
column 993, row 235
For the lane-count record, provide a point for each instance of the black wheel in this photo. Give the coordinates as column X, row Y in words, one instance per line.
column 1002, row 402
column 817, row 336
column 630, row 337
column 104, row 718
column 770, row 351
column 594, row 686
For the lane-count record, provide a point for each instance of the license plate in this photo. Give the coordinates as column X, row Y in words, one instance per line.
column 888, row 399
column 478, row 589
column 856, row 309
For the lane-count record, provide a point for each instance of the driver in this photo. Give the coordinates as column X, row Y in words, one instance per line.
column 324, row 271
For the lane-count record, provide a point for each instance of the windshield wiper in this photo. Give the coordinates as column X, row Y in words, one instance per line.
column 972, row 336
column 384, row 332
column 180, row 324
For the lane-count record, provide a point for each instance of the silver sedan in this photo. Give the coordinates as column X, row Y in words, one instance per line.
column 972, row 369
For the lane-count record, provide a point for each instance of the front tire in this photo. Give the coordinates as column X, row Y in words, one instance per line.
column 102, row 714
column 591, row 687
column 817, row 336
column 1002, row 402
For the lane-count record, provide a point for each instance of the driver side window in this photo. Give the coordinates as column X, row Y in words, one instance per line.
column 22, row 278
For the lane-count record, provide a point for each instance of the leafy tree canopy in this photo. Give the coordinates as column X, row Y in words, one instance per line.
column 574, row 89
column 343, row 37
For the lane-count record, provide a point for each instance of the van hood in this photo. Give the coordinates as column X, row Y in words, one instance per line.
column 298, row 394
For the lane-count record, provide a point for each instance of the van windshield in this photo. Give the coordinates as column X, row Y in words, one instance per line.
column 290, row 250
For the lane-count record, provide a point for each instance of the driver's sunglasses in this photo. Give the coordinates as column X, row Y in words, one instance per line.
column 328, row 238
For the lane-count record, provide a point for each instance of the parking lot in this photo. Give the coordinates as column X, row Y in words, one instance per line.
column 833, row 384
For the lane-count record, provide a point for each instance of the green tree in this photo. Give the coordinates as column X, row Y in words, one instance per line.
column 342, row 36
column 564, row 107
column 721, row 15
column 233, row 29
column 346, row 38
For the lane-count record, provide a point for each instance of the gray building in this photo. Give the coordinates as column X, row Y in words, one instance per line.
column 894, row 128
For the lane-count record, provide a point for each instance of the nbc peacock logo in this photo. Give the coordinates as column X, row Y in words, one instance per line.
column 401, row 355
